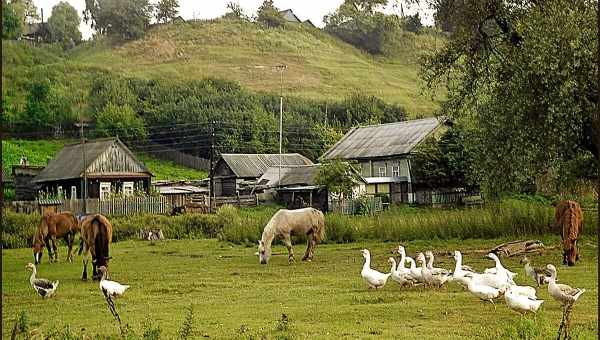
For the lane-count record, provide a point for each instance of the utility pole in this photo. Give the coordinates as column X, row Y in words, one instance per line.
column 84, row 186
column 281, row 68
column 211, row 183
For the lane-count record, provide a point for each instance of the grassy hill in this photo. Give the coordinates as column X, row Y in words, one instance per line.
column 41, row 151
column 319, row 65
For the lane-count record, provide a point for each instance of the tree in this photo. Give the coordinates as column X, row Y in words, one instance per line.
column 121, row 121
column 64, row 25
column 269, row 15
column 166, row 10
column 235, row 11
column 413, row 23
column 26, row 10
column 339, row 177
column 358, row 23
column 12, row 26
column 126, row 19
column 521, row 75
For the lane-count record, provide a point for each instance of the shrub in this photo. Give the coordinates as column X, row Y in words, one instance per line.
column 18, row 229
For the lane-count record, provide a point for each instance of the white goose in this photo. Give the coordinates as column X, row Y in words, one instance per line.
column 521, row 303
column 562, row 293
column 434, row 270
column 482, row 291
column 44, row 288
column 373, row 278
column 415, row 272
column 111, row 288
column 402, row 253
column 436, row 280
column 401, row 276
column 526, row 291
column 459, row 270
column 500, row 270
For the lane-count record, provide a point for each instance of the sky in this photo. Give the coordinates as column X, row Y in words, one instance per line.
column 209, row 9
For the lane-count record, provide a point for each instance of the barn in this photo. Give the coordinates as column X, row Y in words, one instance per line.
column 110, row 168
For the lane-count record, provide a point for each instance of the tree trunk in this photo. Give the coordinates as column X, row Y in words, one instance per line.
column 596, row 134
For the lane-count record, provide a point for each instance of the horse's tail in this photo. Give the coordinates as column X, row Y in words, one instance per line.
column 101, row 240
column 319, row 226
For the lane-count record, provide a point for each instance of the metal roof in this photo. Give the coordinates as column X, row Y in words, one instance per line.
column 382, row 140
column 255, row 165
column 290, row 175
column 68, row 163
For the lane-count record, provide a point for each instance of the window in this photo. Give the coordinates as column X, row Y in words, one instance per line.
column 382, row 172
column 396, row 171
column 104, row 190
column 127, row 189
column 73, row 192
column 60, row 192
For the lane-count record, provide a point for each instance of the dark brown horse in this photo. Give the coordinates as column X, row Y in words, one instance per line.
column 96, row 236
column 569, row 219
column 53, row 226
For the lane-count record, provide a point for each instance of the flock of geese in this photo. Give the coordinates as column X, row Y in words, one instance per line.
column 487, row 286
column 46, row 288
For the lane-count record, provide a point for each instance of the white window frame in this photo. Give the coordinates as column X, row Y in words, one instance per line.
column 382, row 173
column 60, row 192
column 104, row 190
column 396, row 171
column 128, row 189
column 73, row 192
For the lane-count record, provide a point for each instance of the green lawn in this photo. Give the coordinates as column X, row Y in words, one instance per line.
column 235, row 297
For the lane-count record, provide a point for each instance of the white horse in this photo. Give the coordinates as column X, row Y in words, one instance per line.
column 284, row 223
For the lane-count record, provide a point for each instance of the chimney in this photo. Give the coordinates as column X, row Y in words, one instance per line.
column 42, row 10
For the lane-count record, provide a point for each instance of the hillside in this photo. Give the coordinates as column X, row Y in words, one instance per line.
column 319, row 65
column 41, row 151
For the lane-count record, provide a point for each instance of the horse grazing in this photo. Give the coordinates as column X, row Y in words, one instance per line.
column 96, row 236
column 569, row 218
column 52, row 226
column 284, row 223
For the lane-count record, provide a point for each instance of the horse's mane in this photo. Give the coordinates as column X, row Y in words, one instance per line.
column 269, row 232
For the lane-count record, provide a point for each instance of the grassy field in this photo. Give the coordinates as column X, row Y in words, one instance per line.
column 39, row 152
column 319, row 65
column 232, row 296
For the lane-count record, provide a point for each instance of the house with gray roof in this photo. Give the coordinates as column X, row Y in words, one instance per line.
column 108, row 165
column 383, row 153
column 234, row 171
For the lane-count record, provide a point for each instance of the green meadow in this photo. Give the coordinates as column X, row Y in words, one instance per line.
column 232, row 296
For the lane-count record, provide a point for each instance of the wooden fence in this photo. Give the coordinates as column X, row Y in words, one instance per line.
column 368, row 205
column 238, row 201
column 448, row 198
column 113, row 207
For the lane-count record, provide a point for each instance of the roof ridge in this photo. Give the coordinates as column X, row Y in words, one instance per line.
column 398, row 123
column 97, row 140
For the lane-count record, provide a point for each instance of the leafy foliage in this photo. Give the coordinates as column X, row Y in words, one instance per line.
column 235, row 11
column 524, row 77
column 269, row 15
column 126, row 19
column 358, row 23
column 64, row 25
column 413, row 23
column 12, row 26
column 339, row 177
column 166, row 10
column 442, row 162
column 120, row 121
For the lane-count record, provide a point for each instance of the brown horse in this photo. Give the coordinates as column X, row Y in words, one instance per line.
column 96, row 236
column 52, row 226
column 569, row 218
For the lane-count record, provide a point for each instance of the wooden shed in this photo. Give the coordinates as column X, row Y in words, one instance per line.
column 110, row 167
column 233, row 170
column 23, row 176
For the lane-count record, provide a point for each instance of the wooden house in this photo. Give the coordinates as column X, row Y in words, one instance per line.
column 383, row 153
column 233, row 171
column 110, row 167
column 290, row 16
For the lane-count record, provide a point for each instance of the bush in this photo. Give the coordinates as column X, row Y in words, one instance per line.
column 18, row 229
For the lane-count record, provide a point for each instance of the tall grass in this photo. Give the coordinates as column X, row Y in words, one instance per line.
column 511, row 218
